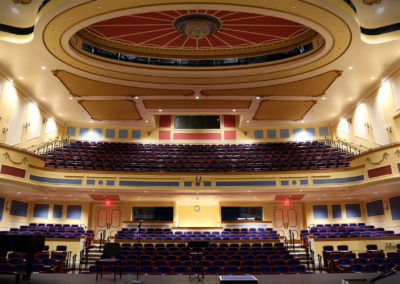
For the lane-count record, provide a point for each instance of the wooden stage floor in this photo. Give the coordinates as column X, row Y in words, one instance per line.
column 333, row 278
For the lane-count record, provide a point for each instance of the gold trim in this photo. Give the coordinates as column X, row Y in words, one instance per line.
column 7, row 155
column 59, row 25
column 385, row 155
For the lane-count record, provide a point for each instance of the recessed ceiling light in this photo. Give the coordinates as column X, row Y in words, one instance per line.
column 70, row 17
column 300, row 190
column 372, row 77
column 234, row 110
column 43, row 98
column 197, row 97
column 18, row 192
column 375, row 192
column 21, row 78
column 160, row 110
column 294, row 6
column 249, row 191
column 302, row 121
column 350, row 67
column 43, row 67
column 380, row 10
column 247, row 121
column 98, row 6
column 136, row 98
column 60, row 114
column 333, row 114
column 323, row 98
column 350, row 99
column 91, row 121
column 258, row 98
column 70, row 98
column 147, row 121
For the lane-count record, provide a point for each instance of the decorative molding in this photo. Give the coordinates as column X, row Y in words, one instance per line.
column 385, row 155
column 397, row 153
column 367, row 2
column 8, row 156
column 23, row 2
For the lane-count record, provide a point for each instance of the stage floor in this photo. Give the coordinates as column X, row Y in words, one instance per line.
column 334, row 278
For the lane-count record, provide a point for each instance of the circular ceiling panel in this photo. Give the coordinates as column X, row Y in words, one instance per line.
column 206, row 32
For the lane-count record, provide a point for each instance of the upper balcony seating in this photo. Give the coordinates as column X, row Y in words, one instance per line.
column 196, row 158
column 227, row 234
column 54, row 231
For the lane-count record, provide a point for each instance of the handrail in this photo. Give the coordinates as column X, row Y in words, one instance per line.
column 312, row 259
column 319, row 262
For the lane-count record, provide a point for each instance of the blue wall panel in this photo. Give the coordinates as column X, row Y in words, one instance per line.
column 324, row 131
column 97, row 132
column 336, row 211
column 71, row 131
column 271, row 133
column 395, row 207
column 284, row 133
column 2, row 200
column 57, row 211
column 310, row 132
column 110, row 133
column 258, row 134
column 136, row 134
column 41, row 211
column 320, row 211
column 74, row 212
column 375, row 208
column 19, row 208
column 84, row 132
column 353, row 210
column 123, row 133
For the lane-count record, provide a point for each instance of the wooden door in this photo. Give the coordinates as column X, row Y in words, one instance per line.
column 286, row 219
column 107, row 219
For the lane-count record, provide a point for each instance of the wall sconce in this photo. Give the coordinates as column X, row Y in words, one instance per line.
column 148, row 133
column 44, row 120
column 5, row 129
column 389, row 129
column 366, row 125
column 349, row 121
column 27, row 125
column 245, row 133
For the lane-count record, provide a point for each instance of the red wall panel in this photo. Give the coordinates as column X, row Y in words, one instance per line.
column 164, row 135
column 11, row 171
column 229, row 121
column 382, row 171
column 197, row 136
column 165, row 121
column 230, row 135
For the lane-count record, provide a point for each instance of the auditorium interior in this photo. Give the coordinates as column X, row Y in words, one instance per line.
column 217, row 141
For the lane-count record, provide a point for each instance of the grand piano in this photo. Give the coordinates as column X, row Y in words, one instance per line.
column 29, row 244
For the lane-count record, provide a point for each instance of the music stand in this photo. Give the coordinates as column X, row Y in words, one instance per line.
column 196, row 254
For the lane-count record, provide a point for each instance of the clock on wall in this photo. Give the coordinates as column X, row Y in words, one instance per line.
column 197, row 208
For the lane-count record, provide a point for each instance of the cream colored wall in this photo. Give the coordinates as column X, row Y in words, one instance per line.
column 9, row 221
column 359, row 119
column 384, row 221
column 207, row 216
column 9, row 95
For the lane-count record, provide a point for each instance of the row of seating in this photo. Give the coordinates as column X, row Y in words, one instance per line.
column 212, row 270
column 170, row 158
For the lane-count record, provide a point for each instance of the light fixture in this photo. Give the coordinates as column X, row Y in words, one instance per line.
column 60, row 114
column 18, row 192
column 197, row 97
column 258, row 98
column 302, row 121
column 147, row 121
column 323, row 98
column 43, row 67
column 333, row 114
column 372, row 77
column 136, row 98
column 350, row 99
column 91, row 121
column 234, row 110
column 43, row 98
column 21, row 78
column 70, row 98
column 350, row 68
column 160, row 110
column 247, row 121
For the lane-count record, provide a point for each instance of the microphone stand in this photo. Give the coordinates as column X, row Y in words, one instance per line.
column 137, row 281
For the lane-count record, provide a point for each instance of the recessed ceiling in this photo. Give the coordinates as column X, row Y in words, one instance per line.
column 111, row 110
column 235, row 33
column 283, row 110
